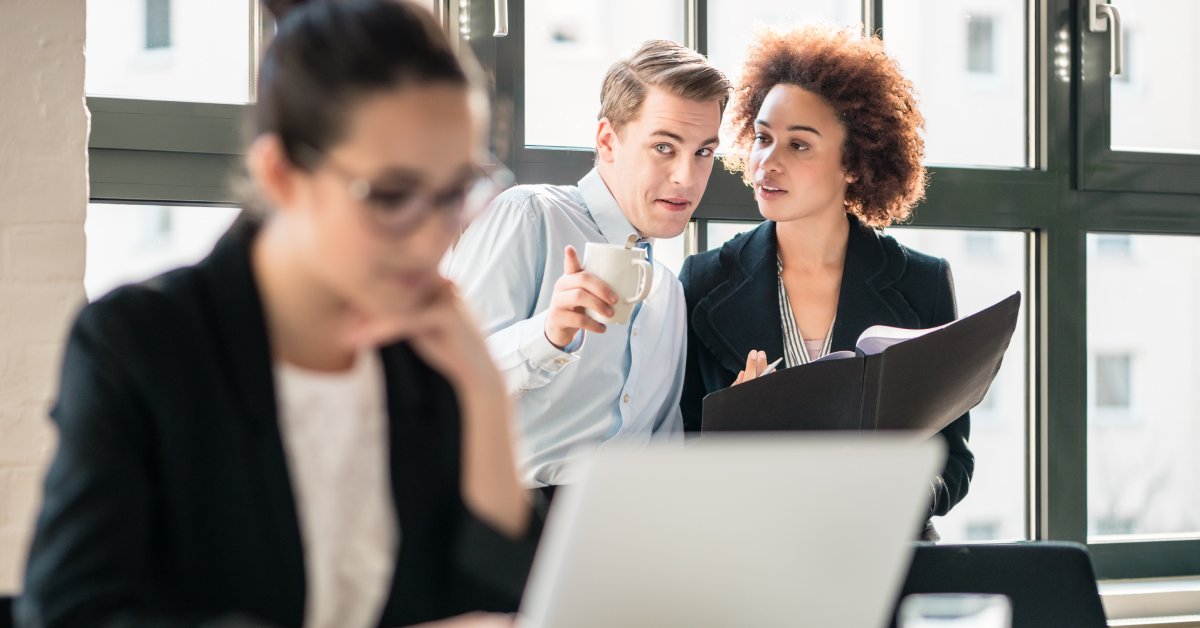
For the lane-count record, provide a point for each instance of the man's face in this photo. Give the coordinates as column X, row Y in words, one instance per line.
column 657, row 165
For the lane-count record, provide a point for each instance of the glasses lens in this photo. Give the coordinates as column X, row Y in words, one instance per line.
column 400, row 211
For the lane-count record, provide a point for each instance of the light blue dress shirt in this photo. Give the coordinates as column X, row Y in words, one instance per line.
column 623, row 384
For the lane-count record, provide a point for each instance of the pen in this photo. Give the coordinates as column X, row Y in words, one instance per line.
column 771, row 367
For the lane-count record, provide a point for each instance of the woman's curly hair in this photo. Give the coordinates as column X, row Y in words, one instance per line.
column 876, row 104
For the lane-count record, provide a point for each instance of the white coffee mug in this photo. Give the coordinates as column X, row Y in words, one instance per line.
column 625, row 270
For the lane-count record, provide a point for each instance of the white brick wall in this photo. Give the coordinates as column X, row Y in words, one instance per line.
column 43, row 199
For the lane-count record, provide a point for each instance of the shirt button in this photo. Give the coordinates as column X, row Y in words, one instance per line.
column 626, row 399
column 635, row 331
column 561, row 361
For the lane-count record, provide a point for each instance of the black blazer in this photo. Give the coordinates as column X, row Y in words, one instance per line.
column 169, row 500
column 733, row 307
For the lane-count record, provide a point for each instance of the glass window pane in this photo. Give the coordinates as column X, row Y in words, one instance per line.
column 1154, row 102
column 672, row 252
column 967, row 62
column 988, row 266
column 1143, row 409
column 568, row 48
column 128, row 243
column 720, row 231
column 732, row 23
column 185, row 50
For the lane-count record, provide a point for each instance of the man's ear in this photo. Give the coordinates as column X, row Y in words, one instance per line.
column 272, row 172
column 606, row 140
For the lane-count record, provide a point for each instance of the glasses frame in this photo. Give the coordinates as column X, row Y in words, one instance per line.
column 493, row 178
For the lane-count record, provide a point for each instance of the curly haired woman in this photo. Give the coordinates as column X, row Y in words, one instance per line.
column 826, row 131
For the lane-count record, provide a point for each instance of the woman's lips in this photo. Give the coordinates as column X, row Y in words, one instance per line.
column 768, row 191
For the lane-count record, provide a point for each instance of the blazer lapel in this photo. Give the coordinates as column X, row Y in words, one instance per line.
column 742, row 313
column 868, row 295
column 246, row 356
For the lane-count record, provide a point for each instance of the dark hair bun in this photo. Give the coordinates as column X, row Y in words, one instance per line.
column 281, row 8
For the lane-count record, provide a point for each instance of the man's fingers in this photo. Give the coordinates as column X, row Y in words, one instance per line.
column 740, row 378
column 571, row 262
column 580, row 320
column 580, row 298
column 587, row 281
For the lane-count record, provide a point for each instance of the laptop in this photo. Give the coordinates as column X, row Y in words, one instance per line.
column 810, row 529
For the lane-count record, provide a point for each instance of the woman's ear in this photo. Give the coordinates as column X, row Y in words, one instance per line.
column 271, row 171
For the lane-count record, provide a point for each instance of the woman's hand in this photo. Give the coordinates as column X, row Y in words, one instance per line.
column 444, row 334
column 472, row 620
column 756, row 363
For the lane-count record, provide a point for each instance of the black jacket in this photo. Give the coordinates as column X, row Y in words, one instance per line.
column 733, row 307
column 169, row 500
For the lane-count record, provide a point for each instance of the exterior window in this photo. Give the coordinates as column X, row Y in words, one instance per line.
column 970, row 74
column 1114, row 245
column 1143, row 416
column 1113, row 373
column 128, row 243
column 164, row 50
column 983, row 531
column 981, row 246
column 158, row 24
column 981, row 46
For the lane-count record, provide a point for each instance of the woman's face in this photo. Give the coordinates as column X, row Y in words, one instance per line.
column 376, row 215
column 795, row 163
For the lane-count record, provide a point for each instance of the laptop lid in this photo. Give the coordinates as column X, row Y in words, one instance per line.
column 734, row 530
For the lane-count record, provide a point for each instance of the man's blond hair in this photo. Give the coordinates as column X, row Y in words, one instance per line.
column 666, row 65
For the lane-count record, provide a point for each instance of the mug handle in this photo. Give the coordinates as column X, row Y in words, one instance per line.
column 645, row 281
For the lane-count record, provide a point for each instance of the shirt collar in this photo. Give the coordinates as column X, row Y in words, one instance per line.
column 605, row 211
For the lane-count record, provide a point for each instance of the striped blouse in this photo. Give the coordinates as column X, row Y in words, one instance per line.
column 797, row 350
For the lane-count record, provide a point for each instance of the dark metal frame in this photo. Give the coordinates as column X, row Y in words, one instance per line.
column 155, row 152
column 1056, row 200
column 1100, row 167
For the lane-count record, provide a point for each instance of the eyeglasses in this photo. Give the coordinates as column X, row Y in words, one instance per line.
column 398, row 208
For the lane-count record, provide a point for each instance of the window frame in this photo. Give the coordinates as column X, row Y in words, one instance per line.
column 186, row 153
column 172, row 152
column 1050, row 200
column 1101, row 168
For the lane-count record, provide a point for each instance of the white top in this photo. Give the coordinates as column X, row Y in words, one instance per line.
column 335, row 435
column 622, row 385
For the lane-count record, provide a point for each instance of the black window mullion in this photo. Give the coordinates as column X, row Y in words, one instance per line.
column 1045, row 200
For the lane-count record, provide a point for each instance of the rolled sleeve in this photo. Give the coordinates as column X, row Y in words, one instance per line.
column 500, row 265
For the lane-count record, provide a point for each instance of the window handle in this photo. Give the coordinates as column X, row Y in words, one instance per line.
column 1100, row 15
column 501, row 19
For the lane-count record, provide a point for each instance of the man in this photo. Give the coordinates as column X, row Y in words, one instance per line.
column 579, row 383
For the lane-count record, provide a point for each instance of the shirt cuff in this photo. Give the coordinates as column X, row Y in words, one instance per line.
column 541, row 354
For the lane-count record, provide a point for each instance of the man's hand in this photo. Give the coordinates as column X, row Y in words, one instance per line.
column 575, row 291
